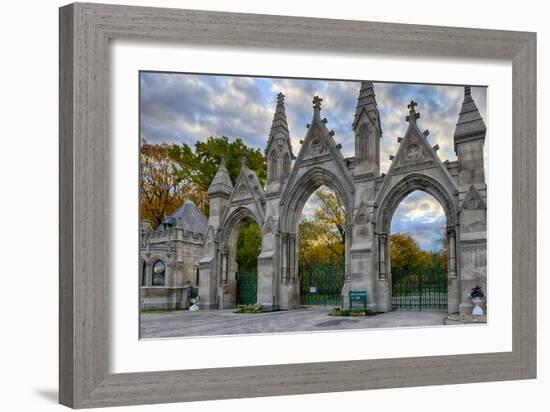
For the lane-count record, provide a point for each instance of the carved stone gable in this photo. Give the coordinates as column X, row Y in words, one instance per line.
column 473, row 200
column 413, row 152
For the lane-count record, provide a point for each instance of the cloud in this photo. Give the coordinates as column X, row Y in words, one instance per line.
column 421, row 216
column 184, row 108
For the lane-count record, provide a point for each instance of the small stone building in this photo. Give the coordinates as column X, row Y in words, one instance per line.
column 169, row 257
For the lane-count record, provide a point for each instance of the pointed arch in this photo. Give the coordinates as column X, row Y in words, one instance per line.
column 303, row 188
column 408, row 184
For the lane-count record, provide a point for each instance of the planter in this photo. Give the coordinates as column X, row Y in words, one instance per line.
column 478, row 310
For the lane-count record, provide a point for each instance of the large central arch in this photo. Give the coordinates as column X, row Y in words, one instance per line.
column 293, row 203
column 291, row 210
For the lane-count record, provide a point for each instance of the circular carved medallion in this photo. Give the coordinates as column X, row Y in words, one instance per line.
column 413, row 152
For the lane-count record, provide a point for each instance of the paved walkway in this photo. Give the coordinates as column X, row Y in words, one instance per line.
column 226, row 322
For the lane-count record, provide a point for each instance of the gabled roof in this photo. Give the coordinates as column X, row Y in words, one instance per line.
column 247, row 186
column 187, row 217
column 414, row 153
column 318, row 142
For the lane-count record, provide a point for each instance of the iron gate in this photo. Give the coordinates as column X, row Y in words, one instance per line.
column 424, row 289
column 321, row 282
column 247, row 287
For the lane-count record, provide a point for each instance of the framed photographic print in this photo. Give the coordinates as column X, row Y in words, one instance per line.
column 244, row 196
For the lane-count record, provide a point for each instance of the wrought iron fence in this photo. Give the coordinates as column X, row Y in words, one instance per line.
column 247, row 288
column 419, row 289
column 321, row 282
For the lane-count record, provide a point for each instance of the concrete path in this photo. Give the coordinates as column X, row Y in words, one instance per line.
column 227, row 322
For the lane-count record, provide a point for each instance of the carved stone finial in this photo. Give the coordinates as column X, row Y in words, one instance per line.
column 243, row 161
column 317, row 102
column 413, row 115
column 280, row 97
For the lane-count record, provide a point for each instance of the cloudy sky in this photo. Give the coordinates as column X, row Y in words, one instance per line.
column 183, row 108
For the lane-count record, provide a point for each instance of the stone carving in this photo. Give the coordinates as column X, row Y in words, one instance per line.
column 413, row 152
column 317, row 147
column 242, row 190
column 473, row 200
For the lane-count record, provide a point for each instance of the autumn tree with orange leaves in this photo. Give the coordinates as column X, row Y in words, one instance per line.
column 161, row 193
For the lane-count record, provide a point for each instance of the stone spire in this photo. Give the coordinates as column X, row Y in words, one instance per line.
column 279, row 126
column 470, row 125
column 278, row 152
column 221, row 184
column 366, row 102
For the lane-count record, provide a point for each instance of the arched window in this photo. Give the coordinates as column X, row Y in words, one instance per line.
column 159, row 271
column 273, row 166
column 286, row 165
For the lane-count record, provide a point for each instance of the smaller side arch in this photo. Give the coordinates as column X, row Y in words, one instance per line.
column 232, row 221
column 389, row 202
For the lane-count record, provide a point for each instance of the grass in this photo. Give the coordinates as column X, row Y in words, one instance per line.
column 250, row 309
column 350, row 312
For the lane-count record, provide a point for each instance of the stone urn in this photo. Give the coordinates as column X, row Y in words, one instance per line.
column 476, row 295
column 195, row 305
column 478, row 310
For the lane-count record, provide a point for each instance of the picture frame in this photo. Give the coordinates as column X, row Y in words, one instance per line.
column 84, row 358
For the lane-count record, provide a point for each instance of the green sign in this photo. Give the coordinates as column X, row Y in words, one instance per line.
column 357, row 296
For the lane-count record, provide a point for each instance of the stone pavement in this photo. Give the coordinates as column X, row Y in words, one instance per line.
column 227, row 322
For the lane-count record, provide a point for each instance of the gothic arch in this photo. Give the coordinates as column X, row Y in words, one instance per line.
column 233, row 222
column 297, row 195
column 389, row 201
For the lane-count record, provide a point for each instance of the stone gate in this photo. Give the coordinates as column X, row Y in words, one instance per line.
column 370, row 199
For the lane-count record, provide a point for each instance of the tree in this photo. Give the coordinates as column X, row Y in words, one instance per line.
column 171, row 174
column 323, row 235
column 249, row 244
column 161, row 193
column 405, row 253
column 200, row 166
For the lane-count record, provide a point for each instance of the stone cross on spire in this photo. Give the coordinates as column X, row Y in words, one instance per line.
column 413, row 115
column 280, row 98
column 317, row 102
column 317, row 107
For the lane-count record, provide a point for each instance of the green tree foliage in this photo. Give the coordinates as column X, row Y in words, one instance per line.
column 249, row 244
column 323, row 235
column 200, row 166
column 171, row 174
column 407, row 256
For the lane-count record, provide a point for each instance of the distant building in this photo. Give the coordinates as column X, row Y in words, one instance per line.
column 169, row 256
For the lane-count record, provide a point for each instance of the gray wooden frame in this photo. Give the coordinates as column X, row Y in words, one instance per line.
column 85, row 31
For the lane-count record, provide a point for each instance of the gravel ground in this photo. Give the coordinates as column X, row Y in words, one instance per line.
column 226, row 322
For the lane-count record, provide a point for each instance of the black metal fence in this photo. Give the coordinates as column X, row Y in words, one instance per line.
column 321, row 282
column 247, row 288
column 419, row 289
